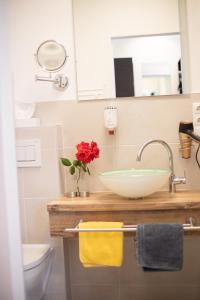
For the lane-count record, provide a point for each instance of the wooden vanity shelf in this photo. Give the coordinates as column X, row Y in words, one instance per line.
column 161, row 207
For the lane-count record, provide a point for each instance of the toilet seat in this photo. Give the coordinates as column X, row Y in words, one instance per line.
column 33, row 255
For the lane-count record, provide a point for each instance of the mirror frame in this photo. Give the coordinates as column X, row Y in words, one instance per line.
column 42, row 66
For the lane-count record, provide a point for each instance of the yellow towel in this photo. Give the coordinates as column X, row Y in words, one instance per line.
column 100, row 249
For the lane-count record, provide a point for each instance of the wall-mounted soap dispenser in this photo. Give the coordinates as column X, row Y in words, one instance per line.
column 110, row 119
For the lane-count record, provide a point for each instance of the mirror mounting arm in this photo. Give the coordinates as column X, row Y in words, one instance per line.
column 60, row 81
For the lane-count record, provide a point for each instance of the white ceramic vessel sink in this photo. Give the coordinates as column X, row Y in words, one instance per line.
column 135, row 183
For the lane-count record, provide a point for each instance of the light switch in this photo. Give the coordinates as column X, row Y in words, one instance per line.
column 28, row 153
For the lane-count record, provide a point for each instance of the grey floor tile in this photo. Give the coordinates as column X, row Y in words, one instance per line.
column 159, row 292
column 94, row 293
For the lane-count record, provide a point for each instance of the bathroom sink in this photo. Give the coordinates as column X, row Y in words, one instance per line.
column 135, row 183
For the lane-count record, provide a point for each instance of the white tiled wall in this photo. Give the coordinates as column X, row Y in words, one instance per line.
column 139, row 120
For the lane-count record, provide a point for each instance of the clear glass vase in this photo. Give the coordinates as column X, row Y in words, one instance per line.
column 70, row 185
column 82, row 184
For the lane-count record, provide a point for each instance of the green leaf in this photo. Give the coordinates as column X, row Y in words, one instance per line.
column 72, row 170
column 77, row 163
column 66, row 162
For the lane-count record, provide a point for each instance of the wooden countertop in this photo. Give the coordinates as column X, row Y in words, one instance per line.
column 105, row 201
column 161, row 207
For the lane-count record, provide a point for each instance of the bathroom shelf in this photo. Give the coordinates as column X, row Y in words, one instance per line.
column 161, row 207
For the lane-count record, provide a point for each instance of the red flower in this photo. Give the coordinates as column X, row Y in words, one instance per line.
column 87, row 152
column 95, row 150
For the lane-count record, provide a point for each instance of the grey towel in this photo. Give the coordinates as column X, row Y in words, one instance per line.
column 160, row 247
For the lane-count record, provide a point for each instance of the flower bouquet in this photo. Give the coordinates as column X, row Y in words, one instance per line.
column 86, row 153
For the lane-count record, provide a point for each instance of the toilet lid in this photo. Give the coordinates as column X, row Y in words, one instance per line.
column 34, row 254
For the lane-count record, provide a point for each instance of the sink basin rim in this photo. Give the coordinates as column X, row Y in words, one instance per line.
column 135, row 172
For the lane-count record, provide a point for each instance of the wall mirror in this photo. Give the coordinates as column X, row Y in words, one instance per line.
column 51, row 56
column 128, row 48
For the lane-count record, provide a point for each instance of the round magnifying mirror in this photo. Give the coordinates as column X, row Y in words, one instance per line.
column 51, row 56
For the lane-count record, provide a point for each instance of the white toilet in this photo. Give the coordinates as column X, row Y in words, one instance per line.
column 37, row 259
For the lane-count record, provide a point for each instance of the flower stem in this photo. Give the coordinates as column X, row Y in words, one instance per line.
column 77, row 181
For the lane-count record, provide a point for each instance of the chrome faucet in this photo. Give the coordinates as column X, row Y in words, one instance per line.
column 173, row 180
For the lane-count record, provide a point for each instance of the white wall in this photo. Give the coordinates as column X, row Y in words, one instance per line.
column 33, row 22
column 96, row 22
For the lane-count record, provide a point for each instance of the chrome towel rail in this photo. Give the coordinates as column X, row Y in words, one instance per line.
column 127, row 228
